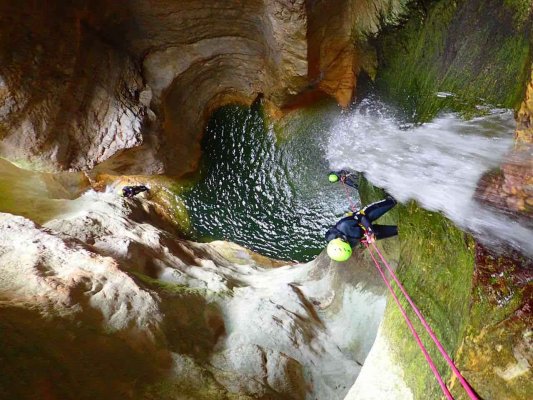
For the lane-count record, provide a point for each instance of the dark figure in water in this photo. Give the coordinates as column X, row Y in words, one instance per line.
column 347, row 177
column 352, row 229
column 130, row 191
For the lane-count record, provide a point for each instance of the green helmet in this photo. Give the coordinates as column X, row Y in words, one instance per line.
column 333, row 177
column 339, row 250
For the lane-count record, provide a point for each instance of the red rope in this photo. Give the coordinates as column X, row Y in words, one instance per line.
column 448, row 359
column 352, row 205
column 463, row 381
column 412, row 329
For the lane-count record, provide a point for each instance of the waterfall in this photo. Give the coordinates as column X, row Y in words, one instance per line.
column 438, row 164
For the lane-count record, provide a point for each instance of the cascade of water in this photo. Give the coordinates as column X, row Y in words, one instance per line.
column 438, row 163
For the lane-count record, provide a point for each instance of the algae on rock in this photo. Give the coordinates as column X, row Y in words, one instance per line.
column 435, row 266
column 456, row 54
column 477, row 303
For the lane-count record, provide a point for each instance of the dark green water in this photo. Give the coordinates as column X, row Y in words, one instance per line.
column 268, row 194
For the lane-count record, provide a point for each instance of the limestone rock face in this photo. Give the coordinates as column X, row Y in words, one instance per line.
column 200, row 56
column 81, row 84
column 381, row 377
column 213, row 320
column 68, row 98
column 337, row 42
column 65, row 277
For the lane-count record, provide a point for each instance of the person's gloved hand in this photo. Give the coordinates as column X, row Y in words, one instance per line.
column 370, row 237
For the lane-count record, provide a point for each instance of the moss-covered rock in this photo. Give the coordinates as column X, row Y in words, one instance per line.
column 458, row 55
column 477, row 302
column 436, row 262
column 436, row 266
column 496, row 349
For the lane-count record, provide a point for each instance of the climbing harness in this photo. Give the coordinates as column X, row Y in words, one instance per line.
column 430, row 332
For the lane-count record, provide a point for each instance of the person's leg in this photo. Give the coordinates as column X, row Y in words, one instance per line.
column 139, row 189
column 385, row 231
column 375, row 210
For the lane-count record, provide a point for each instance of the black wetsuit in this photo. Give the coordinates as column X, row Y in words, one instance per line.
column 347, row 177
column 130, row 191
column 354, row 227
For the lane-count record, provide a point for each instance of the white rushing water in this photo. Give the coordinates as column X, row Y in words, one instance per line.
column 437, row 164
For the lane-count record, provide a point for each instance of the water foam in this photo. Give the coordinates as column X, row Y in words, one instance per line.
column 437, row 164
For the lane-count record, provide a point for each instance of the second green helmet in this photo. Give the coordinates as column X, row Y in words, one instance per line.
column 333, row 177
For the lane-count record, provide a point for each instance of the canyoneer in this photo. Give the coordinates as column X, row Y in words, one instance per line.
column 344, row 176
column 130, row 191
column 357, row 227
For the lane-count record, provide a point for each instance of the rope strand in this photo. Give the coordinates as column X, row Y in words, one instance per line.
column 428, row 329
column 352, row 205
column 448, row 359
column 412, row 329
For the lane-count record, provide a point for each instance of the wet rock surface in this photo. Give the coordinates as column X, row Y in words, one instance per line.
column 496, row 350
column 510, row 189
column 101, row 290
column 105, row 272
column 498, row 346
column 131, row 86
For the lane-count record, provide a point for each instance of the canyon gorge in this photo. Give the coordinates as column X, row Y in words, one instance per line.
column 214, row 283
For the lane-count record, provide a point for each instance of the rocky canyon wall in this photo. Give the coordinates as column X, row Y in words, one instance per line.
column 69, row 99
column 104, row 300
column 85, row 82
column 489, row 331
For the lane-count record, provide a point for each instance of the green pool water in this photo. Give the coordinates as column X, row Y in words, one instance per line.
column 264, row 190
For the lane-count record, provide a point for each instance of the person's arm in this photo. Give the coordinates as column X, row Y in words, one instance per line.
column 331, row 234
column 351, row 180
column 367, row 227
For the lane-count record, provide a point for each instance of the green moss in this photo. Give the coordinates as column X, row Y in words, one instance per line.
column 169, row 197
column 498, row 337
column 435, row 266
column 485, row 313
column 521, row 10
column 475, row 50
column 499, row 291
